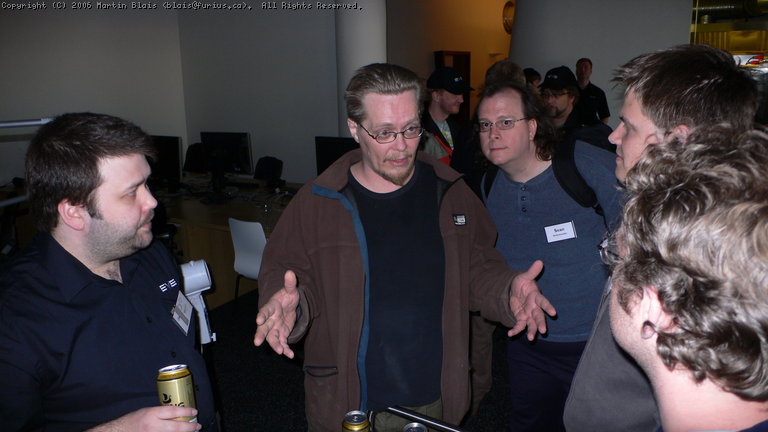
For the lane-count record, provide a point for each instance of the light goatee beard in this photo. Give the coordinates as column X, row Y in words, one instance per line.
column 402, row 178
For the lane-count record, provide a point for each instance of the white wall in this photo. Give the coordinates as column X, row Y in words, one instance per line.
column 550, row 33
column 271, row 73
column 125, row 63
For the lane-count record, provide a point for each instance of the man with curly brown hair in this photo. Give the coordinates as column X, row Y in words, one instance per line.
column 690, row 284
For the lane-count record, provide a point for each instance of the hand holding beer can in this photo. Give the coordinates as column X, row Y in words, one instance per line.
column 175, row 388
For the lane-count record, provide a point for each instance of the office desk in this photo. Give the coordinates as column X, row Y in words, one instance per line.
column 204, row 234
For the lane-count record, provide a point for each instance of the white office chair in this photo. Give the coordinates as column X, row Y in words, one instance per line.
column 248, row 240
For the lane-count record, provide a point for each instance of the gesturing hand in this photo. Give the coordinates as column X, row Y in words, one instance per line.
column 528, row 303
column 276, row 319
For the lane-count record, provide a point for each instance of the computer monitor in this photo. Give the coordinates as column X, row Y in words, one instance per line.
column 328, row 149
column 228, row 152
column 166, row 169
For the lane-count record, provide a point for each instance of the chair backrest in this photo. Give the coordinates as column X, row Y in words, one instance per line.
column 248, row 240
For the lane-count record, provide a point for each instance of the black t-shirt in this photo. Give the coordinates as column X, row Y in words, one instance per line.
column 407, row 279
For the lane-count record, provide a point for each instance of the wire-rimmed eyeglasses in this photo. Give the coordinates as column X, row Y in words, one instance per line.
column 503, row 124
column 387, row 136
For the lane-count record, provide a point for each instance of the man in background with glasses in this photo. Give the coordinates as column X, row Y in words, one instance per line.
column 537, row 217
column 377, row 263
column 560, row 93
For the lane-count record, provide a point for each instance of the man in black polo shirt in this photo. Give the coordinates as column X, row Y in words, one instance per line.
column 92, row 308
column 592, row 102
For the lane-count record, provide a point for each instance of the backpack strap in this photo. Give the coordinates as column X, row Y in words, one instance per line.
column 566, row 173
column 486, row 183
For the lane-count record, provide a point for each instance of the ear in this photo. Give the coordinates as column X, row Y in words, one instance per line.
column 533, row 126
column 73, row 216
column 681, row 131
column 352, row 125
column 653, row 313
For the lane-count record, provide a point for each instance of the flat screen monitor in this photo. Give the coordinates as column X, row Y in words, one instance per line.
column 166, row 169
column 228, row 152
column 328, row 149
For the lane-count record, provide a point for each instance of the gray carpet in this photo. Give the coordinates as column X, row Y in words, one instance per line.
column 261, row 391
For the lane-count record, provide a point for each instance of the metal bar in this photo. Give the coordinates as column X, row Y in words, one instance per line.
column 425, row 420
column 12, row 201
column 24, row 123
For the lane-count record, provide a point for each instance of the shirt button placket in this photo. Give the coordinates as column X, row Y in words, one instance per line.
column 523, row 199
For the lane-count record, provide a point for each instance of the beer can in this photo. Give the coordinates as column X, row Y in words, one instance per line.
column 415, row 427
column 356, row 421
column 175, row 388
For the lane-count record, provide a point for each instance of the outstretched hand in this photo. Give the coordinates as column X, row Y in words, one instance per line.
column 276, row 319
column 528, row 304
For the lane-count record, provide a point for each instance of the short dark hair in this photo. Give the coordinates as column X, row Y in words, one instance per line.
column 546, row 133
column 62, row 160
column 695, row 227
column 693, row 85
column 531, row 75
column 382, row 78
column 583, row 59
column 504, row 70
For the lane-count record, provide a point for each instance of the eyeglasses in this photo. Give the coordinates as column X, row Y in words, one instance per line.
column 551, row 94
column 387, row 136
column 609, row 250
column 503, row 124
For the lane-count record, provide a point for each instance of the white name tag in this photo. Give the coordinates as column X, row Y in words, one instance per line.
column 182, row 312
column 563, row 231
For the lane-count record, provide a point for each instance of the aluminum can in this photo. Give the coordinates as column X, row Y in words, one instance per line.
column 356, row 421
column 415, row 427
column 175, row 388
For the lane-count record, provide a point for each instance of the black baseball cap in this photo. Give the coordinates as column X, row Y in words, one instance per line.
column 448, row 78
column 558, row 79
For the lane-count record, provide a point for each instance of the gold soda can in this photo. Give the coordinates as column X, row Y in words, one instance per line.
column 175, row 388
column 356, row 421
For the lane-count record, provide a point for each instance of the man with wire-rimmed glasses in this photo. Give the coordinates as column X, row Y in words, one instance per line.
column 376, row 264
column 536, row 216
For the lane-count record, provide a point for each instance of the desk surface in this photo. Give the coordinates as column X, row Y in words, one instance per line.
column 250, row 201
column 216, row 216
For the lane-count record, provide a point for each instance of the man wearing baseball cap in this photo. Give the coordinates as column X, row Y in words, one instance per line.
column 446, row 89
column 560, row 91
